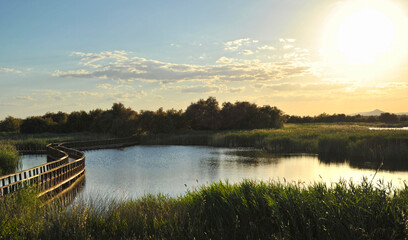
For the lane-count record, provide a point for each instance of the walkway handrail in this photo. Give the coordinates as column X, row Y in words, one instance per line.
column 48, row 176
column 68, row 166
column 18, row 176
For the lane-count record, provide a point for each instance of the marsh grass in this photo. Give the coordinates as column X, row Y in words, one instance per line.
column 32, row 143
column 248, row 210
column 333, row 142
column 8, row 158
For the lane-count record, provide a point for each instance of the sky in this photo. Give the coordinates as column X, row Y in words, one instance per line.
column 304, row 57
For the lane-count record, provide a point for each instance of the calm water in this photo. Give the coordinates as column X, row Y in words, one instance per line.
column 402, row 128
column 139, row 170
column 30, row 161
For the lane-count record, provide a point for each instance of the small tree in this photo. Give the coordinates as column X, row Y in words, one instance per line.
column 388, row 117
column 10, row 124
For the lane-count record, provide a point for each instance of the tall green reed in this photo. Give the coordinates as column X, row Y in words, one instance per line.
column 248, row 210
column 8, row 158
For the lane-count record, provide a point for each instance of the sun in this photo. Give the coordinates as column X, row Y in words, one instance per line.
column 364, row 37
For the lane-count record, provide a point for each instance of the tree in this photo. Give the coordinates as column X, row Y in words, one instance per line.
column 78, row 122
column 36, row 125
column 10, row 124
column 119, row 120
column 204, row 114
column 388, row 117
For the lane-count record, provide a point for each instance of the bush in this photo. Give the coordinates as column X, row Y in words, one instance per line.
column 8, row 158
column 248, row 210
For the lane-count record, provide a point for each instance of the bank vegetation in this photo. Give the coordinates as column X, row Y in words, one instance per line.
column 248, row 210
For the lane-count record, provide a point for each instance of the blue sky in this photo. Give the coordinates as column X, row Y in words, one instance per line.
column 82, row 55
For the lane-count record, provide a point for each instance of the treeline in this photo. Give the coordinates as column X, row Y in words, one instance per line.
column 327, row 118
column 121, row 121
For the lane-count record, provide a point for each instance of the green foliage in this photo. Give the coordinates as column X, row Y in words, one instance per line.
column 37, row 125
column 10, row 124
column 333, row 142
column 342, row 118
column 207, row 115
column 388, row 117
column 332, row 147
column 204, row 114
column 8, row 158
column 29, row 143
column 249, row 210
column 21, row 215
column 121, row 121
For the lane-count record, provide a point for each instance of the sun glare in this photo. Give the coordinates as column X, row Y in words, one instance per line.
column 369, row 37
column 365, row 34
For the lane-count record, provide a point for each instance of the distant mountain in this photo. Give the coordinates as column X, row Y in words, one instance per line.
column 376, row 112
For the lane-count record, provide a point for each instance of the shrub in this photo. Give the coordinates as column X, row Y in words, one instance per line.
column 8, row 158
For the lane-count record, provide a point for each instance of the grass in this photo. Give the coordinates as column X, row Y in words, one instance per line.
column 37, row 142
column 333, row 142
column 249, row 210
column 352, row 142
column 8, row 158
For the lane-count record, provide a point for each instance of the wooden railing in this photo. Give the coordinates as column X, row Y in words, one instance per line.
column 68, row 165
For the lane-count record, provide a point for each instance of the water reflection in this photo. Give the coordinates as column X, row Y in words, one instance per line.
column 30, row 161
column 69, row 195
column 390, row 164
column 394, row 128
column 139, row 170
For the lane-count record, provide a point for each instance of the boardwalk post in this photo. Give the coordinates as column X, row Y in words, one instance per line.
column 51, row 177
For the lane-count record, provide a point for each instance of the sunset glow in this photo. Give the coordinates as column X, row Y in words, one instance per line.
column 366, row 39
column 364, row 35
column 305, row 57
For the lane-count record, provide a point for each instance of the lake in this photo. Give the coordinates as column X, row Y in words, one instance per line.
column 172, row 170
column 394, row 128
column 30, row 161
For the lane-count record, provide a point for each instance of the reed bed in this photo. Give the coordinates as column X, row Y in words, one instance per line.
column 8, row 158
column 34, row 143
column 333, row 142
column 248, row 210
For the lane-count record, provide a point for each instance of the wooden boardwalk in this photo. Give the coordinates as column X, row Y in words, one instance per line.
column 66, row 167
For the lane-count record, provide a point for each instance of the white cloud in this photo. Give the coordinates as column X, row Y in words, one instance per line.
column 235, row 44
column 9, row 70
column 105, row 86
column 88, row 59
column 117, row 67
column 224, row 60
column 246, row 52
column 266, row 47
column 205, row 89
column 71, row 73
column 287, row 40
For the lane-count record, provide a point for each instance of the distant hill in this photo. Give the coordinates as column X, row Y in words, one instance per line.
column 376, row 112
